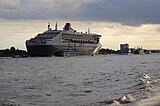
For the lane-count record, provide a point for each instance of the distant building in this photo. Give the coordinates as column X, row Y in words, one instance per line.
column 124, row 48
column 155, row 51
column 138, row 50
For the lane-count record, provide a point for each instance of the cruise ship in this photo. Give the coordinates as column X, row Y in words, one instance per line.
column 56, row 42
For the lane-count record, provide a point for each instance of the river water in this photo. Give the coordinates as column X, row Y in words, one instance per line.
column 75, row 81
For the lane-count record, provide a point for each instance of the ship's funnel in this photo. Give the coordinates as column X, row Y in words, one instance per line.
column 67, row 27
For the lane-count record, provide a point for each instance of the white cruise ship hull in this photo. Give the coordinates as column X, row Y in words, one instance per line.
column 55, row 42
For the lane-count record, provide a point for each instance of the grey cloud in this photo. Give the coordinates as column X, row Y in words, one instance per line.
column 43, row 9
column 128, row 12
column 157, row 29
column 131, row 12
column 8, row 4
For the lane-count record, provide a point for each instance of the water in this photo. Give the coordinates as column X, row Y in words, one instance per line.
column 75, row 81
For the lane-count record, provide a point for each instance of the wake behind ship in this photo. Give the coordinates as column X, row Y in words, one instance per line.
column 56, row 42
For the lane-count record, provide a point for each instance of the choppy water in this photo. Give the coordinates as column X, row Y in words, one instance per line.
column 75, row 81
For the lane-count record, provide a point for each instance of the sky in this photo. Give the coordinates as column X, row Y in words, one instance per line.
column 136, row 22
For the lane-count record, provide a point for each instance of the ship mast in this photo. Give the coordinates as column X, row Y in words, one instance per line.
column 88, row 30
column 49, row 26
column 56, row 26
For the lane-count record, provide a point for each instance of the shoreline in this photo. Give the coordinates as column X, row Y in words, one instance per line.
column 152, row 101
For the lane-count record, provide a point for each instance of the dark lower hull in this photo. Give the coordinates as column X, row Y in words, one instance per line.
column 58, row 50
column 41, row 50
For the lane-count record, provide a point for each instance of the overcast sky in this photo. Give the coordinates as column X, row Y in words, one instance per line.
column 131, row 20
column 131, row 12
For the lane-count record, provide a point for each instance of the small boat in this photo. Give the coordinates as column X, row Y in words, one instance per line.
column 70, row 52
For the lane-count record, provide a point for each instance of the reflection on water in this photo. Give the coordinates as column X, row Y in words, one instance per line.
column 73, row 81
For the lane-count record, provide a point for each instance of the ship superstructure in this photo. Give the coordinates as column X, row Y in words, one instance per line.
column 55, row 42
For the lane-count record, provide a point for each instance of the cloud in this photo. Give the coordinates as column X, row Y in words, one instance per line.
column 128, row 12
column 125, row 11
column 8, row 4
column 43, row 9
